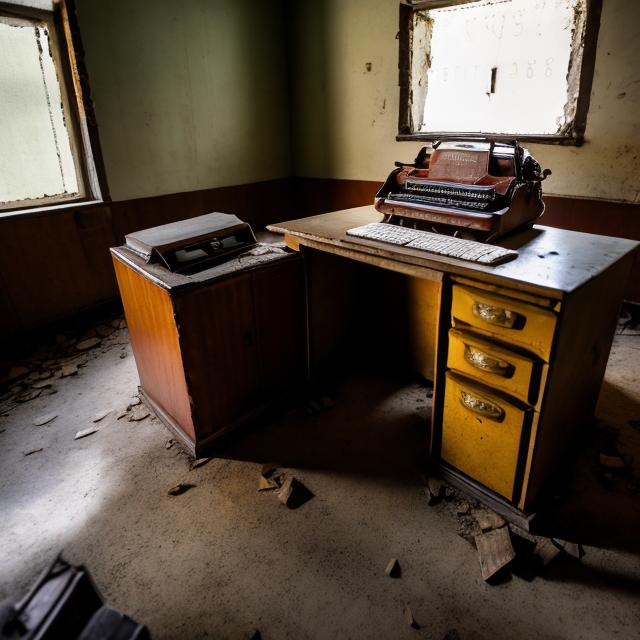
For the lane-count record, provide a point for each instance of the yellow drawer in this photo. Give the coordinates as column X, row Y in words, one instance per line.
column 481, row 434
column 514, row 321
column 498, row 368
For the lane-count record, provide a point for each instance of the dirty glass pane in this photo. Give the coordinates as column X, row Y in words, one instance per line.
column 35, row 150
column 498, row 66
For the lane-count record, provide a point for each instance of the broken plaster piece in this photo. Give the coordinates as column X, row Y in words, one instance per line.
column 89, row 343
column 488, row 520
column 409, row 619
column 267, row 484
column 32, row 451
column 393, row 568
column 179, row 489
column 100, row 416
column 139, row 413
column 85, row 432
column 46, row 419
column 69, row 370
column 293, row 493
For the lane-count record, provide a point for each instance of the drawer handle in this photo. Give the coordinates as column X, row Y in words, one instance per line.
column 495, row 315
column 484, row 408
column 485, row 362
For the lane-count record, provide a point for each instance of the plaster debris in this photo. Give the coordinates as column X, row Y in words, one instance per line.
column 293, row 493
column 69, row 370
column 45, row 419
column 546, row 551
column 267, row 484
column 488, row 520
column 169, row 443
column 139, row 413
column 101, row 415
column 32, row 451
column 134, row 403
column 86, row 432
column 494, row 551
column 122, row 414
column 409, row 619
column 393, row 568
column 88, row 343
column 41, row 384
column 178, row 489
column 573, row 549
column 434, row 490
column 27, row 396
column 268, row 468
column 198, row 462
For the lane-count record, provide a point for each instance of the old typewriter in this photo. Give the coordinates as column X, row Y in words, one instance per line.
column 459, row 198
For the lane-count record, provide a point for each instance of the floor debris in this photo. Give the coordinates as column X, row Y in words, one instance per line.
column 573, row 549
column 488, row 520
column 169, row 443
column 393, row 568
column 101, row 415
column 293, row 493
column 86, row 432
column 198, row 462
column 69, row 370
column 178, row 489
column 409, row 619
column 546, row 551
column 267, row 484
column 268, row 469
column 27, row 396
column 89, row 343
column 140, row 412
column 46, row 419
column 42, row 384
column 494, row 551
column 32, row 451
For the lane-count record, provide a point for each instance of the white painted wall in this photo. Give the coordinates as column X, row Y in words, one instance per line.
column 345, row 117
column 189, row 94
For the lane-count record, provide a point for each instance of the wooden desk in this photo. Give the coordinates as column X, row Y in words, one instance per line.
column 517, row 352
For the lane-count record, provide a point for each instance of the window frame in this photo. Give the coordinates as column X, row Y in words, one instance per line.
column 574, row 134
column 68, row 56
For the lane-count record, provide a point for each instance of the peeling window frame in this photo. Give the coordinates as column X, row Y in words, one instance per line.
column 582, row 67
column 68, row 56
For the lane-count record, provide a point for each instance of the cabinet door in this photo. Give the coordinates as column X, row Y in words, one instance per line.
column 217, row 336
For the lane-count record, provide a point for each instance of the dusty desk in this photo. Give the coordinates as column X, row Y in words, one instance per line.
column 517, row 352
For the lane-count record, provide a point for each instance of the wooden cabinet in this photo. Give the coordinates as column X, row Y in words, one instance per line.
column 214, row 350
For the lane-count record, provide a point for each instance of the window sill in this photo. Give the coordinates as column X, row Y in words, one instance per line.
column 49, row 209
column 566, row 140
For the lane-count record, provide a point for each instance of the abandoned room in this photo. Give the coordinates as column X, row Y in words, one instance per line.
column 319, row 319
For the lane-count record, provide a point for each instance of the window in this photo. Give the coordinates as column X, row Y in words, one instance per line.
column 45, row 142
column 497, row 68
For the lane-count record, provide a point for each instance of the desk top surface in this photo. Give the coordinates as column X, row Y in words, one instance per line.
column 550, row 261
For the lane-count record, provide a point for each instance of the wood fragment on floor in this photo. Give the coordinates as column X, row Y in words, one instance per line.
column 393, row 568
column 494, row 551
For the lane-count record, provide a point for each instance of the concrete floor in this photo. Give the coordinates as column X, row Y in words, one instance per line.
column 222, row 560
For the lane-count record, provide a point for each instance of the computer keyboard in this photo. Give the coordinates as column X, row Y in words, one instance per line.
column 437, row 243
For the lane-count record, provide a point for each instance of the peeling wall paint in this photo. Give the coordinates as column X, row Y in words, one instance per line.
column 340, row 130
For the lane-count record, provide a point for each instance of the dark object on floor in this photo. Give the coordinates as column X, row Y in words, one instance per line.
column 64, row 603
column 178, row 489
column 109, row 624
column 59, row 605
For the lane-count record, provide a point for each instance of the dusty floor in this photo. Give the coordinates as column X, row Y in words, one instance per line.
column 222, row 560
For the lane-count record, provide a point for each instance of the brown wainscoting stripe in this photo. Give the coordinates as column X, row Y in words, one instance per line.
column 56, row 264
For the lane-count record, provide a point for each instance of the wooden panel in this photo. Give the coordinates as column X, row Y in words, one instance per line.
column 520, row 377
column 154, row 339
column 485, row 449
column 585, row 333
column 534, row 326
column 423, row 305
column 280, row 322
column 219, row 346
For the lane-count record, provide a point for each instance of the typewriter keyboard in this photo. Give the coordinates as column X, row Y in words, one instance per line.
column 442, row 245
